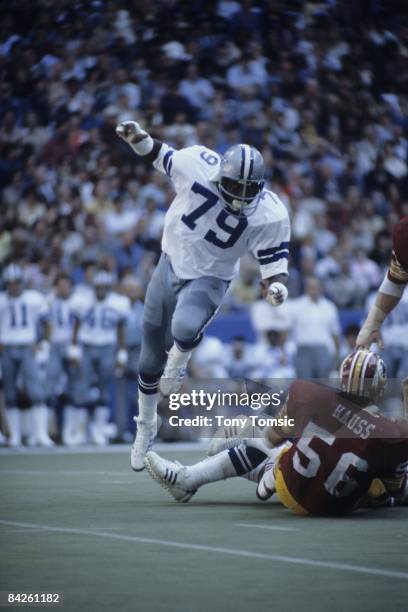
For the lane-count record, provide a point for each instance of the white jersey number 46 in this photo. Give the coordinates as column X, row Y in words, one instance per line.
column 339, row 483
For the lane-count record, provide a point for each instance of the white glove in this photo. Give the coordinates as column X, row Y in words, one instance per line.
column 277, row 294
column 74, row 352
column 131, row 132
column 122, row 358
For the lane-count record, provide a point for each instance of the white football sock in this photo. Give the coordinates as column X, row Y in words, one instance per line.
column 178, row 358
column 14, row 423
column 97, row 427
column 40, row 422
column 148, row 406
column 211, row 469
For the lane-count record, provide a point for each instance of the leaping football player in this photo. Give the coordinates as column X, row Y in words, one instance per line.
column 391, row 289
column 221, row 210
column 340, row 453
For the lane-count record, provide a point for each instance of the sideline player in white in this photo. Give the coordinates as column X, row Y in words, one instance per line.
column 23, row 312
column 60, row 373
column 221, row 210
column 98, row 347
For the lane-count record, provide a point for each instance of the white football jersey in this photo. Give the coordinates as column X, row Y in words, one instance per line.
column 99, row 318
column 61, row 316
column 201, row 237
column 21, row 317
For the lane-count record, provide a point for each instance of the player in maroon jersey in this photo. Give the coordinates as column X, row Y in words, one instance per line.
column 341, row 443
column 342, row 448
column 391, row 289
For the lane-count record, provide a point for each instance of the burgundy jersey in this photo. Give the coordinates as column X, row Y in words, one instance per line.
column 339, row 448
column 398, row 270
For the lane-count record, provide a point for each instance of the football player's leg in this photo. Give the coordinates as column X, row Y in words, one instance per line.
column 156, row 340
column 71, row 415
column 10, row 370
column 197, row 303
column 182, row 481
column 37, row 393
column 81, row 385
column 105, row 366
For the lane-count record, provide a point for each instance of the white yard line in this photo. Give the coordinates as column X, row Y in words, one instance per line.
column 345, row 567
column 87, row 449
column 65, row 472
column 270, row 527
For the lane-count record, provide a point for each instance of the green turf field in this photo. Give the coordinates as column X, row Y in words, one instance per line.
column 110, row 539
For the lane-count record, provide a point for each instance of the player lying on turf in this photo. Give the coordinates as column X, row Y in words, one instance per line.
column 343, row 449
column 391, row 289
column 221, row 211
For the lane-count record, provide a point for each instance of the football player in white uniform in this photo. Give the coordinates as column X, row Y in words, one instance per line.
column 60, row 374
column 23, row 313
column 98, row 347
column 221, row 211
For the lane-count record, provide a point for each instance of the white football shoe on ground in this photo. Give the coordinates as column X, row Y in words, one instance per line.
column 266, row 486
column 171, row 475
column 228, row 437
column 174, row 372
column 145, row 435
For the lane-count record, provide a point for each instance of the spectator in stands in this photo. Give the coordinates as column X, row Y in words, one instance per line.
column 328, row 115
column 316, row 331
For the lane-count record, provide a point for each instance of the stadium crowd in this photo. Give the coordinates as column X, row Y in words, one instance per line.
column 319, row 87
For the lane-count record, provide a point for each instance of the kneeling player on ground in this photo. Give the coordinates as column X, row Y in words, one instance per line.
column 221, row 211
column 342, row 448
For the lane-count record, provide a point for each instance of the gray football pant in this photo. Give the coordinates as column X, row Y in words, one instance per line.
column 175, row 310
column 16, row 362
column 61, row 375
column 95, row 376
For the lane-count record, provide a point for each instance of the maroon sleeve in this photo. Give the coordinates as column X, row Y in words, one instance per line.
column 398, row 270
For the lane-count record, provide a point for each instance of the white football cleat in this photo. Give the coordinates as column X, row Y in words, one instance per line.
column 228, row 437
column 174, row 372
column 171, row 475
column 145, row 435
column 266, row 486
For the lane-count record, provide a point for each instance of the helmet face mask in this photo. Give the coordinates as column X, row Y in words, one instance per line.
column 240, row 179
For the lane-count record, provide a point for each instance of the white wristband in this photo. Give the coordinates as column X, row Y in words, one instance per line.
column 144, row 146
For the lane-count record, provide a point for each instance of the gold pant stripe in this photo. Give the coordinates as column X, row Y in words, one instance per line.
column 284, row 495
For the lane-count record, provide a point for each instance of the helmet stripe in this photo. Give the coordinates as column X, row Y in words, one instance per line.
column 366, row 362
column 242, row 162
column 350, row 376
column 247, row 161
column 251, row 164
column 355, row 383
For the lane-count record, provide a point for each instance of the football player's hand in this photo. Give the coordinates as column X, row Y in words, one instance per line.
column 121, row 359
column 276, row 294
column 131, row 132
column 74, row 354
column 367, row 336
